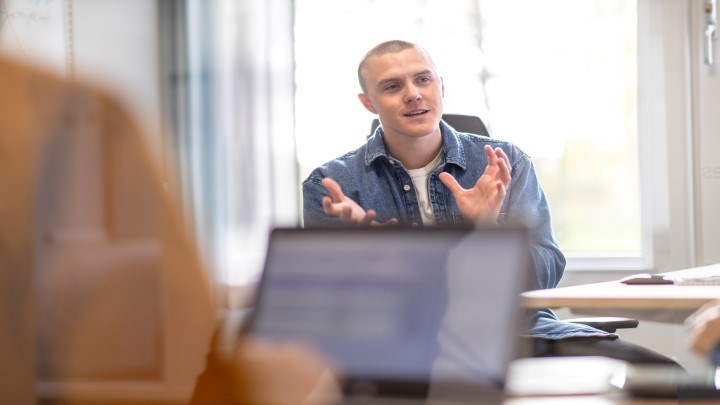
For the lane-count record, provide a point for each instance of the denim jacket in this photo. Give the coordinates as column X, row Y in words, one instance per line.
column 376, row 180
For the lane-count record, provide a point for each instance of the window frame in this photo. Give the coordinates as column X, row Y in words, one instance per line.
column 666, row 197
column 664, row 145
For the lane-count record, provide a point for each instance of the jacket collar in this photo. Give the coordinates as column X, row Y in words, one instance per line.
column 453, row 150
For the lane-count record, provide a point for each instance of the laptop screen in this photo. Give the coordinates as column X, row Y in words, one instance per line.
column 398, row 304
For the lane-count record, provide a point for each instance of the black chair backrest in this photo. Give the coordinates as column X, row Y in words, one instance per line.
column 461, row 123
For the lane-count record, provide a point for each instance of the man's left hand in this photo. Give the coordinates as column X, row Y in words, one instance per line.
column 483, row 201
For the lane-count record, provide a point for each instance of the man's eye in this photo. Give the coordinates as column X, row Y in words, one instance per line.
column 424, row 79
column 391, row 87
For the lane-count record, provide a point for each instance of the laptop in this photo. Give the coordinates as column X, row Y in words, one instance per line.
column 425, row 313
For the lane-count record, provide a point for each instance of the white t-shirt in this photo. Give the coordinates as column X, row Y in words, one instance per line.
column 420, row 181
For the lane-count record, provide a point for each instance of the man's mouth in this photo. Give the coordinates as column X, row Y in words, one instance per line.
column 416, row 113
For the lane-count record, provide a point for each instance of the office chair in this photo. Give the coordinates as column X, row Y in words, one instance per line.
column 474, row 125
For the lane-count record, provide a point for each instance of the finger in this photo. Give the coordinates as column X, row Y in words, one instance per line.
column 699, row 318
column 504, row 158
column 328, row 206
column 695, row 316
column 501, row 155
column 334, row 189
column 449, row 181
column 492, row 157
column 369, row 217
column 389, row 222
column 501, row 190
column 702, row 315
column 504, row 171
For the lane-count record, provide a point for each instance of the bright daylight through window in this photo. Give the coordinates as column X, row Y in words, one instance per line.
column 556, row 77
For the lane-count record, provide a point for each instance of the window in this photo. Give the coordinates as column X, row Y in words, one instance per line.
column 557, row 77
column 596, row 91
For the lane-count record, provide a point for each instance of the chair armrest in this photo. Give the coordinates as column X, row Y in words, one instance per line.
column 607, row 323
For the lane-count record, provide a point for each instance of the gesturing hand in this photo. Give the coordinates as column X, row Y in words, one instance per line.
column 340, row 206
column 482, row 202
column 704, row 328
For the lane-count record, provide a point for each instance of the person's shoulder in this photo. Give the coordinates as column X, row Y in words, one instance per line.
column 514, row 152
column 47, row 92
column 36, row 78
column 11, row 68
column 63, row 109
column 28, row 85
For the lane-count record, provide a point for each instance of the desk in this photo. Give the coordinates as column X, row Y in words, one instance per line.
column 663, row 303
column 545, row 381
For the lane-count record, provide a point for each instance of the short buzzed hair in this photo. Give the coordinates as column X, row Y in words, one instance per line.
column 392, row 46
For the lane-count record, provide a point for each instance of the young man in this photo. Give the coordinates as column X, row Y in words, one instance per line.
column 417, row 170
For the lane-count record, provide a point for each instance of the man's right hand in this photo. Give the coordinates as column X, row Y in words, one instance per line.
column 348, row 211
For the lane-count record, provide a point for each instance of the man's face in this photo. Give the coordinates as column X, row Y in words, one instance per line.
column 405, row 91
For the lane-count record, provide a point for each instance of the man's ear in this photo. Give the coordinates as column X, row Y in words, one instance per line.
column 366, row 103
column 442, row 86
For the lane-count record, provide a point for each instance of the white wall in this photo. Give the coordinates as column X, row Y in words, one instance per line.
column 111, row 43
column 116, row 46
column 34, row 32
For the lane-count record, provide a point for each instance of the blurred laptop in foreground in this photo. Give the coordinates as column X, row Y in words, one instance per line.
column 400, row 312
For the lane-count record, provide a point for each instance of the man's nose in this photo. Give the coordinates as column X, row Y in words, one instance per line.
column 412, row 94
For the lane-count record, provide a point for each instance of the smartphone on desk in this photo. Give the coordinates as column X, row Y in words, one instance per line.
column 654, row 381
column 645, row 278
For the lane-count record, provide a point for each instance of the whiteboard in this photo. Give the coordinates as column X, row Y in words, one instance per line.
column 38, row 32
